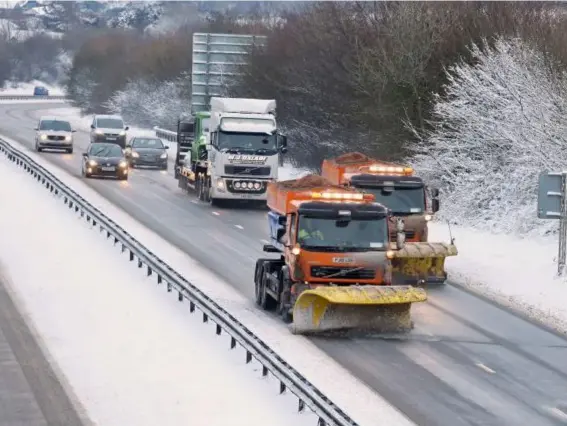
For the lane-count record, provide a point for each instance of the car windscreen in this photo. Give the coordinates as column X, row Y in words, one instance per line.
column 147, row 143
column 105, row 150
column 109, row 123
column 55, row 125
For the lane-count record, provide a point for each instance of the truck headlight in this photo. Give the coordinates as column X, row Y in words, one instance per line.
column 220, row 184
column 428, row 217
column 163, row 156
column 257, row 185
column 43, row 137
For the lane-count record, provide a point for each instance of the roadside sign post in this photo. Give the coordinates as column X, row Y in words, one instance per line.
column 552, row 204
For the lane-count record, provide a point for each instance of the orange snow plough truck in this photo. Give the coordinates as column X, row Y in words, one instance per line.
column 334, row 268
column 396, row 187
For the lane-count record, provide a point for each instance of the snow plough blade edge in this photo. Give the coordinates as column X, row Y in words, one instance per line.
column 421, row 262
column 371, row 308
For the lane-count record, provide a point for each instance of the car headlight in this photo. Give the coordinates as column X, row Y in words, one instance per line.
column 67, row 138
column 164, row 155
column 428, row 217
column 135, row 154
column 123, row 164
column 92, row 163
column 123, row 133
column 43, row 137
column 99, row 132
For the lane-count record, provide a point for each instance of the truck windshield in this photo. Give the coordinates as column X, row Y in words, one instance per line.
column 332, row 235
column 400, row 200
column 260, row 143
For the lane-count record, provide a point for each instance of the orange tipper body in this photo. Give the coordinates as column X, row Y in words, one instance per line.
column 393, row 185
column 315, row 198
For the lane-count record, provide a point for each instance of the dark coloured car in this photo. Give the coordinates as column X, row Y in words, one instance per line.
column 105, row 160
column 40, row 91
column 147, row 151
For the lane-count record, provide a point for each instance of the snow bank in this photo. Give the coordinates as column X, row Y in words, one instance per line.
column 515, row 272
column 364, row 405
column 132, row 355
column 500, row 123
column 27, row 88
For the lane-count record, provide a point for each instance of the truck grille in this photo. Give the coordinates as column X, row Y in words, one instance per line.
column 410, row 235
column 323, row 271
column 247, row 170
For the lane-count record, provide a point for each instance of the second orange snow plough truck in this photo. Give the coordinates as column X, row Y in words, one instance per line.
column 405, row 194
column 334, row 272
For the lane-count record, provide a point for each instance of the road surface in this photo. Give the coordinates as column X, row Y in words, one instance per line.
column 467, row 362
column 30, row 393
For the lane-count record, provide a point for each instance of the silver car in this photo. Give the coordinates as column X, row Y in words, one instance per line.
column 109, row 128
column 54, row 133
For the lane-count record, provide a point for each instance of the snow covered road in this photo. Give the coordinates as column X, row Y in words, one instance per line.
column 467, row 362
column 130, row 353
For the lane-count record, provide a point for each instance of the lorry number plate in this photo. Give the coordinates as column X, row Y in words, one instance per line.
column 343, row 260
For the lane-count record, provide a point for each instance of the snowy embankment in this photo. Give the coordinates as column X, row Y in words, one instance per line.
column 354, row 397
column 130, row 354
column 486, row 263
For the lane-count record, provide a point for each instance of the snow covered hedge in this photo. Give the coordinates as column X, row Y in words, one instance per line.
column 497, row 126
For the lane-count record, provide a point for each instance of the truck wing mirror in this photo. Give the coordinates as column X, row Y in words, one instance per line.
column 283, row 149
column 208, row 147
column 282, row 141
column 435, row 205
column 282, row 220
column 279, row 234
column 434, row 192
column 268, row 248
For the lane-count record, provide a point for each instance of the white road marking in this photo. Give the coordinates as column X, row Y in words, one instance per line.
column 239, row 226
column 485, row 368
column 216, row 213
column 265, row 241
column 558, row 413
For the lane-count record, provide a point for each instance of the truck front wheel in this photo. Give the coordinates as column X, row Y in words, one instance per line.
column 263, row 299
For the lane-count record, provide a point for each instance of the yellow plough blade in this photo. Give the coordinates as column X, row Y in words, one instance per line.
column 365, row 308
column 421, row 262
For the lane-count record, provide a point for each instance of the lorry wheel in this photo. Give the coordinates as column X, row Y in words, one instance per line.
column 264, row 300
column 200, row 187
column 284, row 304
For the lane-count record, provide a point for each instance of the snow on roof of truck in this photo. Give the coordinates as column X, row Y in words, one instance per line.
column 243, row 105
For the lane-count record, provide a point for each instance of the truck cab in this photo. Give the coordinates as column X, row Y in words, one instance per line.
column 395, row 186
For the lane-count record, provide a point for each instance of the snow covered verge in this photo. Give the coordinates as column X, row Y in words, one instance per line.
column 354, row 397
column 23, row 89
column 515, row 272
column 130, row 354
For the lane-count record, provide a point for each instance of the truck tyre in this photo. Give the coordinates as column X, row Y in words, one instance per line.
column 264, row 300
column 200, row 187
column 284, row 304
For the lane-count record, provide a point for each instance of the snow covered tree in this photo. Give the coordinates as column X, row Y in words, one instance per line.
column 498, row 124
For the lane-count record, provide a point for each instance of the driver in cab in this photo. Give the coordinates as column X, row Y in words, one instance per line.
column 308, row 232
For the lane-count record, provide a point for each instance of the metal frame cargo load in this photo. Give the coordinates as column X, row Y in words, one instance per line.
column 406, row 195
column 334, row 271
column 235, row 151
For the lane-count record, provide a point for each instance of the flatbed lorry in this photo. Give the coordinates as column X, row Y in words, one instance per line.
column 234, row 151
column 334, row 269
